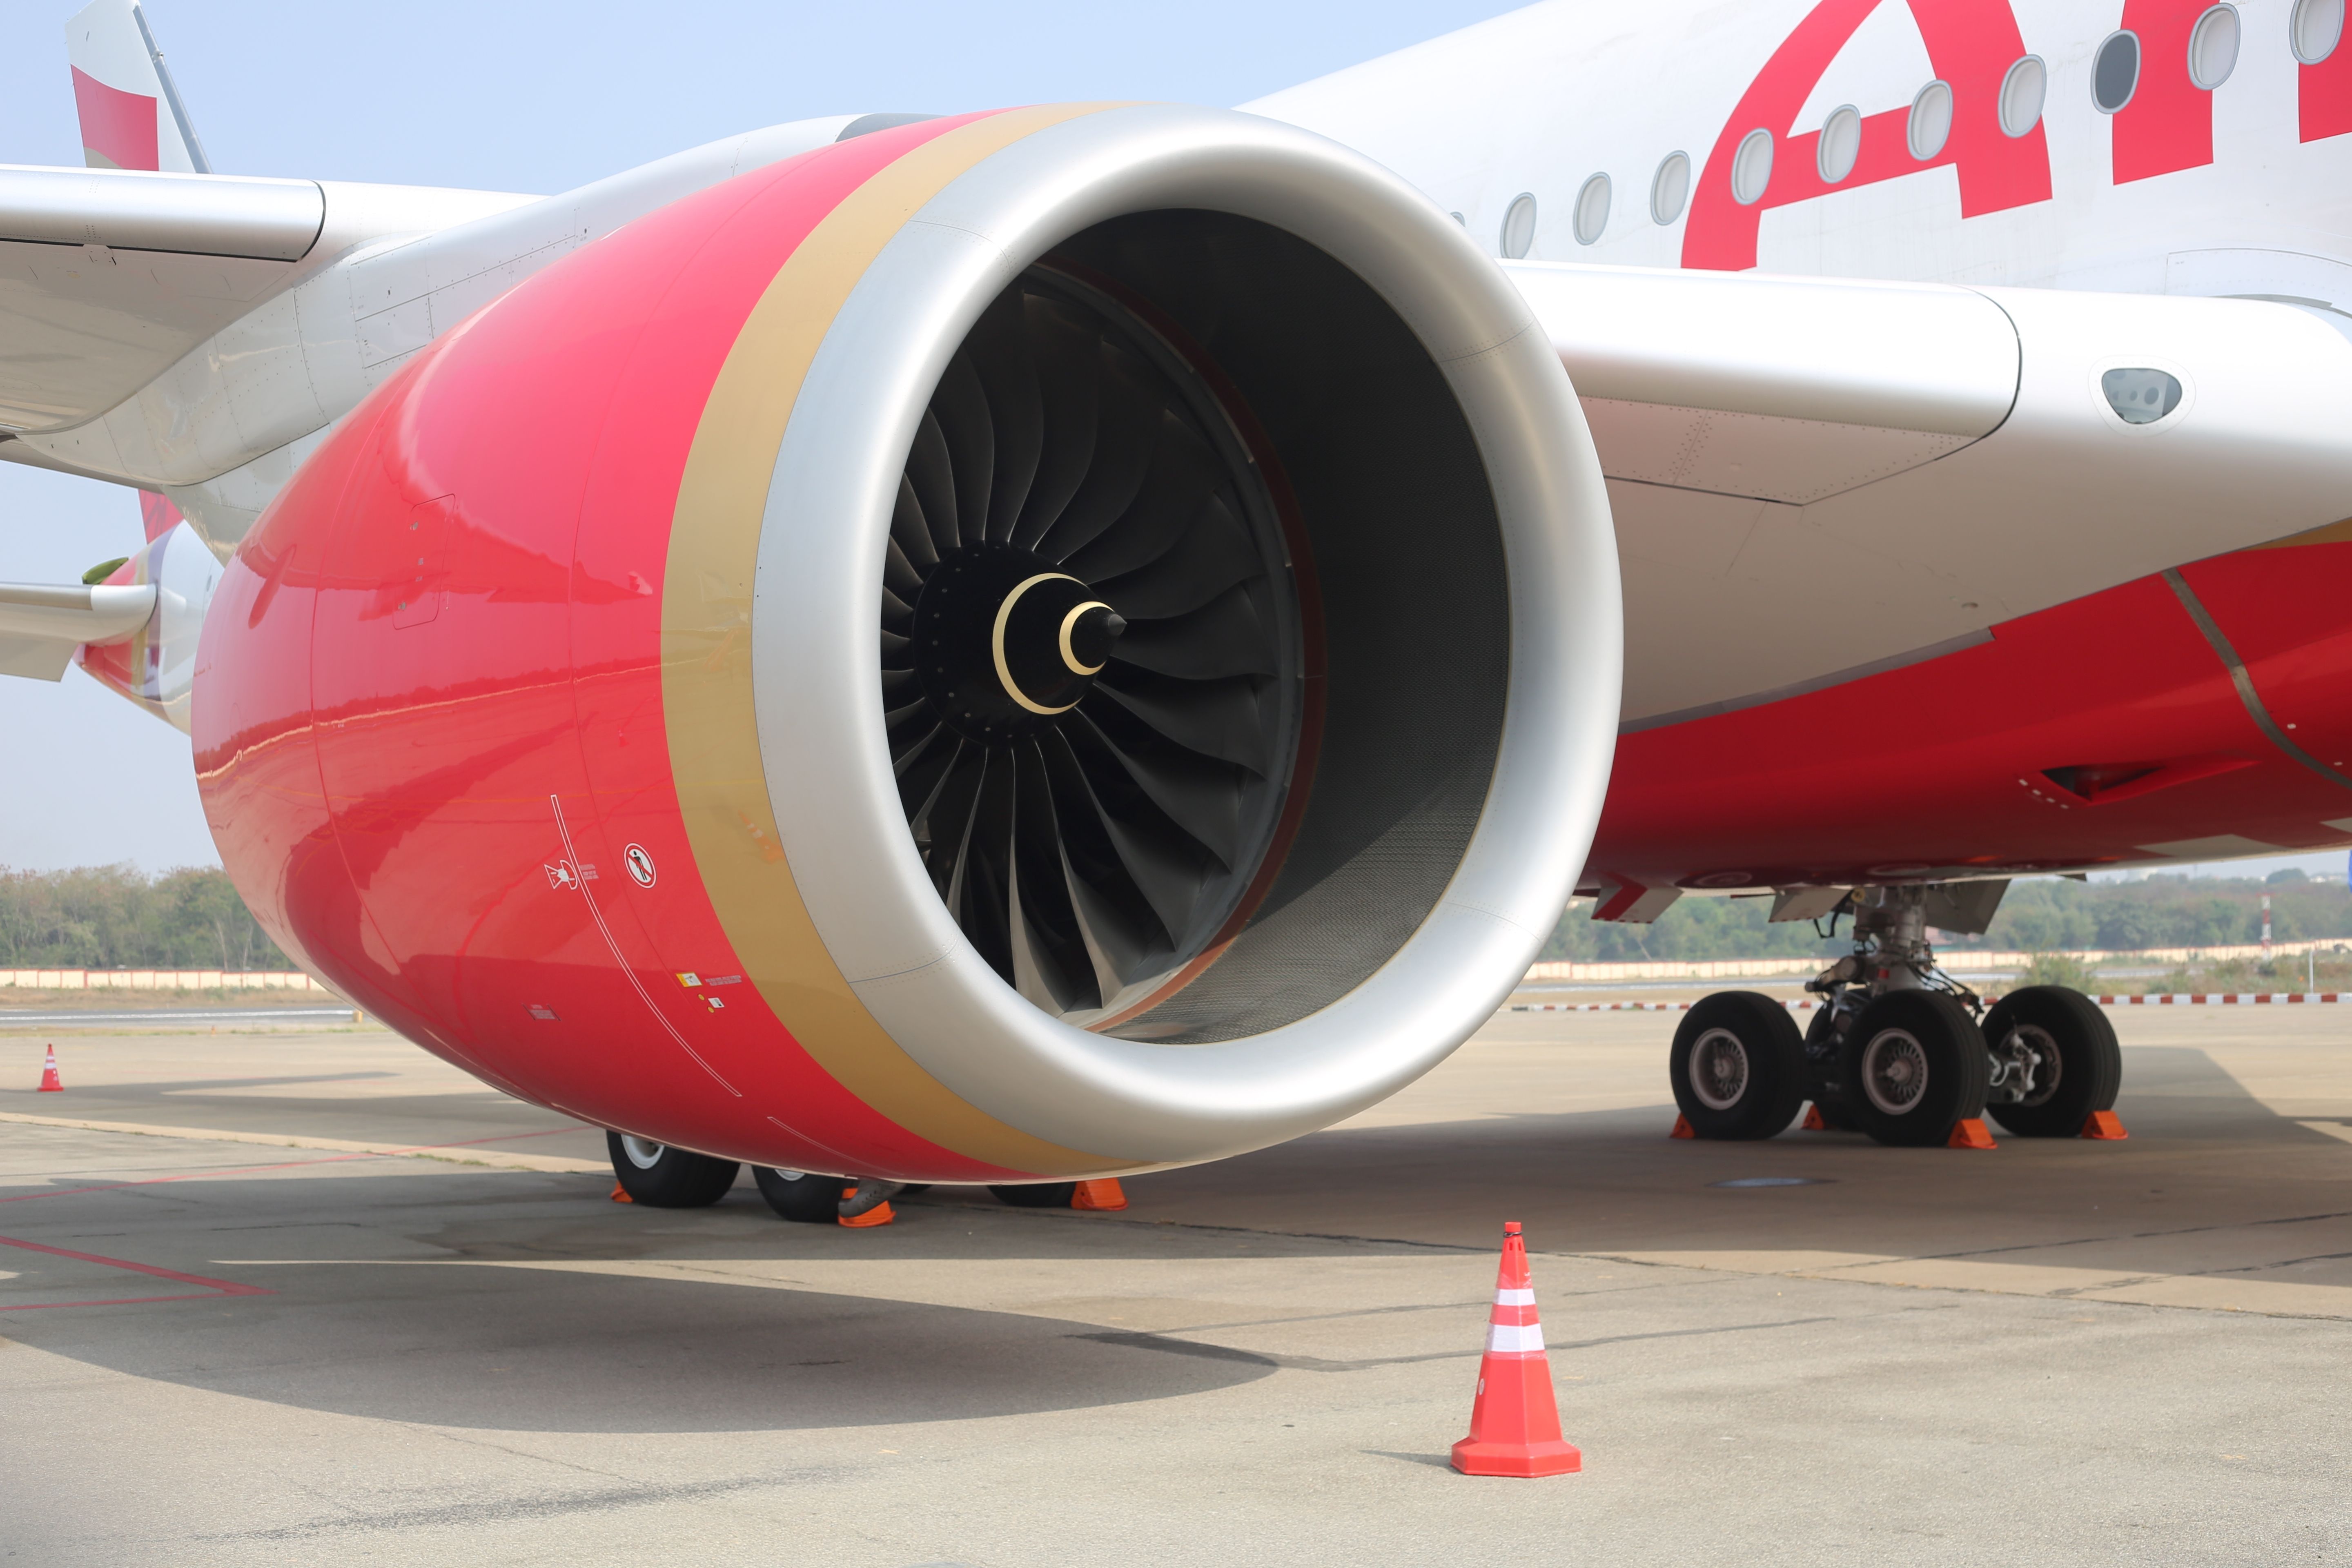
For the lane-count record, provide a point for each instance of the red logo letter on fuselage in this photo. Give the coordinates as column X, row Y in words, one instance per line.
column 1971, row 44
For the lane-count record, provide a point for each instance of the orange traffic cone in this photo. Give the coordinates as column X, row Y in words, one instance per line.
column 1682, row 1128
column 1107, row 1195
column 620, row 1194
column 1515, row 1422
column 2103, row 1124
column 50, row 1082
column 1970, row 1134
column 1814, row 1120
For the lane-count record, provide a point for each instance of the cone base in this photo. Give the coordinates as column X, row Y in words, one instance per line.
column 1558, row 1458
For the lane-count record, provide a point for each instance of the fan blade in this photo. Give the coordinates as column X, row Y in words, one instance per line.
column 1165, row 864
column 943, row 823
column 1209, row 556
column 893, row 650
column 1179, row 483
column 1125, row 445
column 1223, row 638
column 983, row 872
column 896, row 614
column 1048, row 952
column 910, row 536
column 908, row 761
column 932, row 473
column 962, row 405
column 898, row 573
column 1118, row 956
column 1066, row 350
column 1088, row 850
column 1001, row 353
column 894, row 685
column 1200, row 795
column 1216, row 717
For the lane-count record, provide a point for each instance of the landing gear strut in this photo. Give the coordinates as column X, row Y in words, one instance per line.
column 1896, row 1049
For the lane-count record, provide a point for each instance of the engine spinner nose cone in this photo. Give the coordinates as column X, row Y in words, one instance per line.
column 1003, row 642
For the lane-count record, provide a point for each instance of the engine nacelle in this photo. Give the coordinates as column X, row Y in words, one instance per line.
column 1029, row 645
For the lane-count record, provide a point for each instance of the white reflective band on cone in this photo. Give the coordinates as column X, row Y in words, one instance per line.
column 1521, row 1338
column 1508, row 1298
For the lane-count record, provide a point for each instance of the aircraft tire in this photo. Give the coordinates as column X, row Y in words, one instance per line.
column 803, row 1196
column 1913, row 1065
column 661, row 1177
column 2090, row 1062
column 1738, row 1066
column 1037, row 1194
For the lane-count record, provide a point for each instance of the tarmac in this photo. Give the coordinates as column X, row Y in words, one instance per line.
column 282, row 1297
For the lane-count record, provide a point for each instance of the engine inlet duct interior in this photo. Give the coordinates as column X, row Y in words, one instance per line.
column 1091, row 656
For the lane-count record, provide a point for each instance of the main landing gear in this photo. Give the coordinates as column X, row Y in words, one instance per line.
column 1899, row 1048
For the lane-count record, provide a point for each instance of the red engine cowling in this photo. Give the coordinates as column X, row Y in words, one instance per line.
column 1030, row 644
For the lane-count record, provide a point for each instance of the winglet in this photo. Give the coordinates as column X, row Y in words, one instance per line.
column 131, row 116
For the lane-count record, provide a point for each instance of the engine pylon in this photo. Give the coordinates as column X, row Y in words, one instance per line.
column 1515, row 1421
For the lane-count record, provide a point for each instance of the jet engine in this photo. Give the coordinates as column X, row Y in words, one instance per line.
column 1028, row 645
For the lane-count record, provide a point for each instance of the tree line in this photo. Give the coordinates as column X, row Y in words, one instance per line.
column 2039, row 915
column 118, row 916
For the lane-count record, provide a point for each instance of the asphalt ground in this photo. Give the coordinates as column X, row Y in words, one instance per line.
column 318, row 1352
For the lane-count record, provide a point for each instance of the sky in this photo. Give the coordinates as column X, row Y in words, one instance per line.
column 539, row 97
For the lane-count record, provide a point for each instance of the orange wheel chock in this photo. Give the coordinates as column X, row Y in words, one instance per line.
column 620, row 1194
column 1813, row 1122
column 2105, row 1125
column 1682, row 1128
column 1107, row 1197
column 881, row 1214
column 1970, row 1134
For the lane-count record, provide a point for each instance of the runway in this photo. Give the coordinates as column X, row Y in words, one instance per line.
column 2086, row 1352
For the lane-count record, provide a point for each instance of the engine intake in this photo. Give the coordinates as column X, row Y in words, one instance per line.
column 1246, row 683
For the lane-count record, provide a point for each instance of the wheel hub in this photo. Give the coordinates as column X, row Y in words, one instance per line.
column 1894, row 1072
column 1718, row 1069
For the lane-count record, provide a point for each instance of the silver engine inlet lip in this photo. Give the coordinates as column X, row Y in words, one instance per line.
column 817, row 692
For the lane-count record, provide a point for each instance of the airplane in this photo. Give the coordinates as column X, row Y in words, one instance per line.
column 1026, row 646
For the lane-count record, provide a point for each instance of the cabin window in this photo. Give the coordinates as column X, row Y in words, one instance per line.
column 1840, row 146
column 2115, row 72
column 1751, row 167
column 1670, row 187
column 2316, row 28
column 1520, row 225
column 2022, row 91
column 1592, row 209
column 2214, row 46
column 1931, row 125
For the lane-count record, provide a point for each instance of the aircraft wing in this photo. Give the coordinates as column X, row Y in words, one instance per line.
column 108, row 276
column 41, row 625
column 1829, row 474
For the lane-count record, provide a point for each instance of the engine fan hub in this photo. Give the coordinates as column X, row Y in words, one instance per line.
column 1004, row 641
